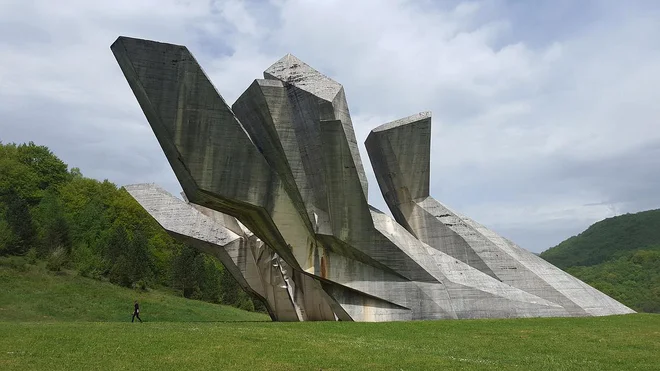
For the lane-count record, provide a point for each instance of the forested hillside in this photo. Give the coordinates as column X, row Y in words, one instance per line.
column 608, row 239
column 51, row 213
column 619, row 256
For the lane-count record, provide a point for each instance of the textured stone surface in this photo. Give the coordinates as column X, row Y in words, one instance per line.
column 256, row 267
column 275, row 189
column 399, row 153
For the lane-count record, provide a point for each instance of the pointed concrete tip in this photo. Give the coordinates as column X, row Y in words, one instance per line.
column 288, row 61
column 426, row 115
column 140, row 186
column 117, row 42
column 124, row 40
column 289, row 69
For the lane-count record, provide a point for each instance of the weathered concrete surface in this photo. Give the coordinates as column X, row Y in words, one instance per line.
column 256, row 267
column 399, row 153
column 283, row 160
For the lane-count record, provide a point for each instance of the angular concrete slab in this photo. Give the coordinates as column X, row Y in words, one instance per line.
column 399, row 153
column 275, row 188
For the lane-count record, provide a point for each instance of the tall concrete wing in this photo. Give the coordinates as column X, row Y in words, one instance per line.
column 275, row 188
column 400, row 156
column 210, row 152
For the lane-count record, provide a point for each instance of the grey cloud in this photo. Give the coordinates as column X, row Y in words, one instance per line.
column 631, row 180
column 101, row 145
column 532, row 121
column 621, row 183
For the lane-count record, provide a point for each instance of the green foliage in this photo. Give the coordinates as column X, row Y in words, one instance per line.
column 51, row 172
column 198, row 276
column 29, row 170
column 140, row 261
column 20, row 229
column 57, row 259
column 186, row 271
column 91, row 226
column 128, row 259
column 7, row 244
column 606, row 240
column 54, row 228
column 633, row 279
column 212, row 284
column 619, row 256
column 117, row 246
column 233, row 295
column 86, row 262
column 16, row 176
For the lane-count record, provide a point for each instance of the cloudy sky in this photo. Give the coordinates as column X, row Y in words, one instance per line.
column 545, row 113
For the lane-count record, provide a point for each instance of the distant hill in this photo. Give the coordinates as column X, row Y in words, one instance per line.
column 619, row 256
column 608, row 239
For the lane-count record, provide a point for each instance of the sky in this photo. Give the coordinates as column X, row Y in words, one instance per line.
column 545, row 113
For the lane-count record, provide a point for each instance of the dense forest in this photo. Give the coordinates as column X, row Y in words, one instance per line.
column 54, row 215
column 619, row 256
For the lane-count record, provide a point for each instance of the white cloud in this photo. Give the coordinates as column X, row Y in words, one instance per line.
column 532, row 126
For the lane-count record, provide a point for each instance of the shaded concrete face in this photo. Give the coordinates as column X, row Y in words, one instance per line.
column 255, row 266
column 276, row 190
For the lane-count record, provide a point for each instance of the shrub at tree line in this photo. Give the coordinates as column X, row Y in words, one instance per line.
column 58, row 216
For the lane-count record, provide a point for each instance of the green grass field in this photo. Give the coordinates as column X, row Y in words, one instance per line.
column 180, row 334
column 33, row 294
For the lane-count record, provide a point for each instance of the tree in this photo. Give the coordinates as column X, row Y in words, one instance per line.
column 120, row 272
column 16, row 176
column 50, row 170
column 212, row 284
column 54, row 228
column 115, row 251
column 19, row 221
column 186, row 271
column 6, row 237
column 201, row 277
column 76, row 173
column 233, row 294
column 140, row 261
column 86, row 202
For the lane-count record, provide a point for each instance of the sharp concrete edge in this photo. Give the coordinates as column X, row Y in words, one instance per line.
column 278, row 193
column 256, row 267
column 403, row 176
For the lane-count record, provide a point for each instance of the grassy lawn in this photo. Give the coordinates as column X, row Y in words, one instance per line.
column 33, row 294
column 65, row 322
column 611, row 343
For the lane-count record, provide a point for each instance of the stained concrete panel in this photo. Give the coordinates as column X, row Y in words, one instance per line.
column 275, row 188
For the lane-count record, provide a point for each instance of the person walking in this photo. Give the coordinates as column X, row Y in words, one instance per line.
column 136, row 312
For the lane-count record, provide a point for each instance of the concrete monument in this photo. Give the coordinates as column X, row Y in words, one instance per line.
column 274, row 188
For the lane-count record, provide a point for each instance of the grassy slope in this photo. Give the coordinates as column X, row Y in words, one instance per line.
column 68, row 322
column 32, row 294
column 608, row 239
column 604, row 343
